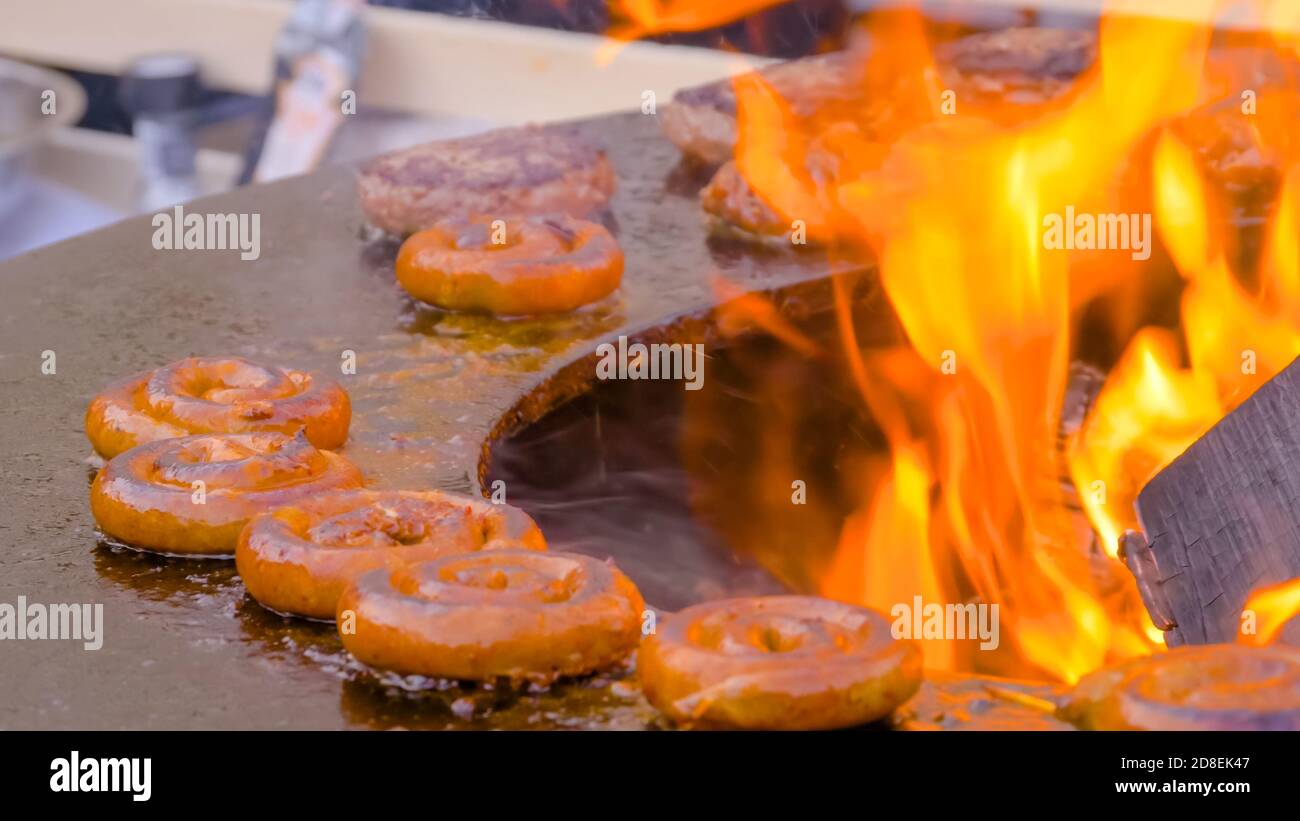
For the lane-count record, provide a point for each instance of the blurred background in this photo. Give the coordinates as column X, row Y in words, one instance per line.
column 110, row 108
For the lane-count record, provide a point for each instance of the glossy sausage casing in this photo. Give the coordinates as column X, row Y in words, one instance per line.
column 511, row 267
column 1206, row 687
column 216, row 395
column 298, row 559
column 514, row 614
column 194, row 494
column 777, row 663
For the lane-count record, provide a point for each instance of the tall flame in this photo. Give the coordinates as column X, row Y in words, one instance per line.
column 1148, row 412
column 970, row 506
column 969, row 503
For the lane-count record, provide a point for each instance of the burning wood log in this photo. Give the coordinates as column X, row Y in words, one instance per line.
column 1223, row 518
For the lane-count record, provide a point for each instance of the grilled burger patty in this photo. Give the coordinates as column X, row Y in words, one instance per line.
column 1019, row 65
column 509, row 172
column 1020, row 69
column 701, row 121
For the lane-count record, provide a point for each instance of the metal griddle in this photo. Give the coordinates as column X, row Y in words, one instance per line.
column 184, row 647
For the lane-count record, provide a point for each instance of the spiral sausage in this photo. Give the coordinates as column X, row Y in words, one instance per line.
column 513, row 267
column 194, row 494
column 298, row 559
column 515, row 614
column 1208, row 687
column 216, row 395
column 778, row 662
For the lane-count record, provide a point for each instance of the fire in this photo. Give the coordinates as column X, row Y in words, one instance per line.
column 968, row 502
column 647, row 18
column 1152, row 408
column 954, row 214
column 1231, row 334
column 741, row 310
column 1273, row 606
column 1283, row 18
column 896, row 523
column 1148, row 412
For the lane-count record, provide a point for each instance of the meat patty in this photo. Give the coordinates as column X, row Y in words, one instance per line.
column 701, row 121
column 510, row 172
column 729, row 199
column 733, row 204
column 1019, row 66
column 1019, row 70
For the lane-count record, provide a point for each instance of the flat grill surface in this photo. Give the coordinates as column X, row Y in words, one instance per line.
column 184, row 647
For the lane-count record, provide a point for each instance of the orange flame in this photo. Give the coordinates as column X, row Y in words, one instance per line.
column 648, row 18
column 1151, row 409
column 1148, row 412
column 955, row 212
column 741, row 310
column 1273, row 606
column 969, row 503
